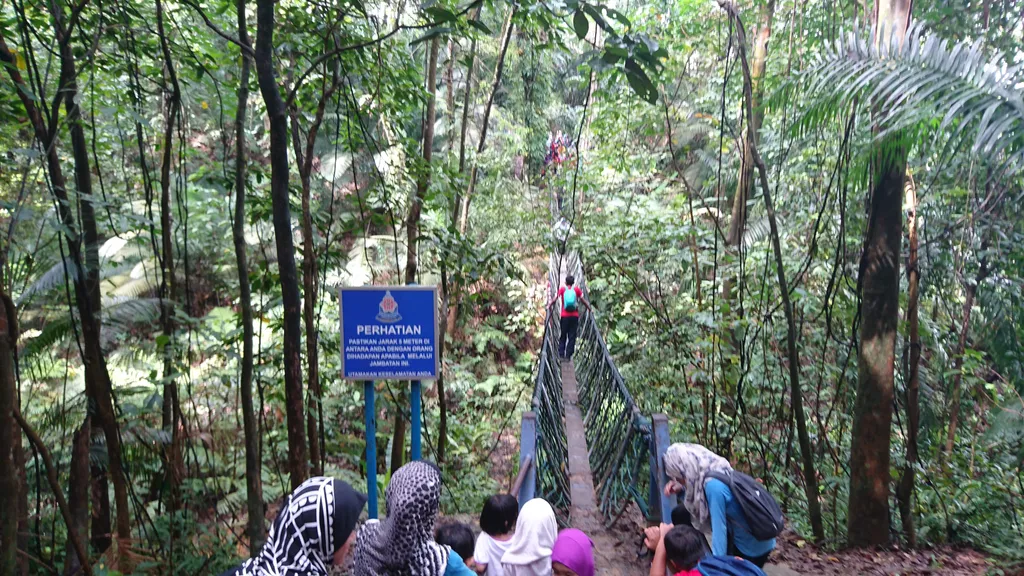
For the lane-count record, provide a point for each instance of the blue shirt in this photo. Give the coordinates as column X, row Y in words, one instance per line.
column 456, row 567
column 727, row 517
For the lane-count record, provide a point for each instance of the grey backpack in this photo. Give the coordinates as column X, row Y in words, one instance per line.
column 764, row 516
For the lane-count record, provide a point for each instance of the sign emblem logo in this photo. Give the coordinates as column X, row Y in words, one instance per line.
column 388, row 310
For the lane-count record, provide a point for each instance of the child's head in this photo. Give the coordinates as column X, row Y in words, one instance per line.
column 459, row 537
column 569, row 280
column 499, row 515
column 684, row 548
column 572, row 554
column 681, row 516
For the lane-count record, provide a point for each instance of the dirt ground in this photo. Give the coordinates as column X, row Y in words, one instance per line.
column 803, row 558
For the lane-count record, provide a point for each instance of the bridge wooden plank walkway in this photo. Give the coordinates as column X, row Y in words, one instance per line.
column 612, row 556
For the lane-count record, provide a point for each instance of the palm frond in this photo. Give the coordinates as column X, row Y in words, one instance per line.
column 134, row 288
column 112, row 263
column 118, row 316
column 50, row 279
column 924, row 85
column 126, row 311
column 709, row 160
column 692, row 131
column 757, row 230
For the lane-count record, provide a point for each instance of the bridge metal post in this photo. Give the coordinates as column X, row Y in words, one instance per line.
column 528, row 458
column 371, row 448
column 658, row 500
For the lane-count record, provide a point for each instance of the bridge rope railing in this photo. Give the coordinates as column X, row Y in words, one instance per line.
column 543, row 447
column 620, row 438
column 625, row 447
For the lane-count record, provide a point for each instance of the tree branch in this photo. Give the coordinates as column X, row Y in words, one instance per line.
column 366, row 43
column 218, row 31
column 58, row 493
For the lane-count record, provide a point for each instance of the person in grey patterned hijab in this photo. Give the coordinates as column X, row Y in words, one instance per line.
column 687, row 466
column 312, row 532
column 403, row 543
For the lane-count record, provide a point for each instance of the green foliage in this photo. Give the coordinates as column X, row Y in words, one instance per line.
column 652, row 92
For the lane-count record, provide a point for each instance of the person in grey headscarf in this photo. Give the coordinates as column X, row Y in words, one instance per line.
column 711, row 504
column 312, row 532
column 403, row 543
column 687, row 466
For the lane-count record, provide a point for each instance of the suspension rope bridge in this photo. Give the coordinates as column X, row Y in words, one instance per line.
column 585, row 446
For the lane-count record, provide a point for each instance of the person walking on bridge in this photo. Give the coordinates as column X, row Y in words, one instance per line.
column 571, row 297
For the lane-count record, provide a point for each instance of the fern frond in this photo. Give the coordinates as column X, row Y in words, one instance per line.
column 54, row 332
column 693, row 130
column 709, row 160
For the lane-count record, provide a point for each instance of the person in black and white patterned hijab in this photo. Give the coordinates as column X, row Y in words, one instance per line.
column 312, row 532
column 403, row 544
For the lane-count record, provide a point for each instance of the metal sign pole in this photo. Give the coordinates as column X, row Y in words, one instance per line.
column 417, row 421
column 371, row 448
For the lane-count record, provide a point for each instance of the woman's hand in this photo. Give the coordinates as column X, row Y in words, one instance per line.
column 673, row 487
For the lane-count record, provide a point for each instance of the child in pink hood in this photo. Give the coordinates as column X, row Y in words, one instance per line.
column 573, row 554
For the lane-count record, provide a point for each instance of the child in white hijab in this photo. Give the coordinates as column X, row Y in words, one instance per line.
column 529, row 553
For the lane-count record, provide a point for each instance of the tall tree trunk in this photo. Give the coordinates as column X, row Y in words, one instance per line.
column 958, row 357
column 461, row 213
column 102, row 388
column 8, row 471
column 100, row 489
column 442, row 399
column 412, row 221
column 796, row 395
column 905, row 489
column 99, row 525
column 499, row 69
column 253, row 466
column 449, row 84
column 309, row 273
column 746, row 177
column 85, row 281
column 868, row 520
column 464, row 126
column 309, row 290
column 24, row 534
column 304, row 158
column 737, row 223
column 168, row 282
column 398, row 432
column 452, row 295
column 78, row 494
column 278, row 115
